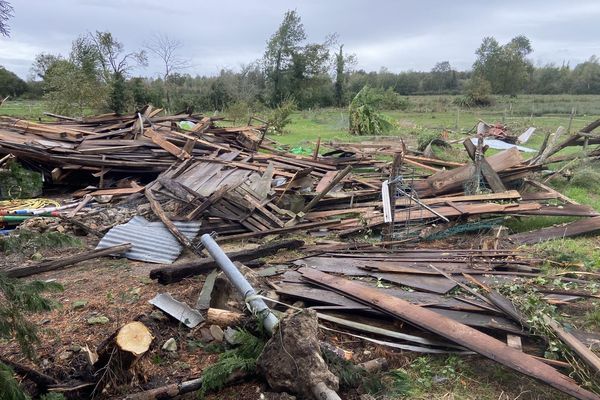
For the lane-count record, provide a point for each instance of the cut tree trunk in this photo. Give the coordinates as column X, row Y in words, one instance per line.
column 119, row 353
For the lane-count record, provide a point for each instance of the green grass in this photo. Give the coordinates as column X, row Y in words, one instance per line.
column 437, row 113
column 26, row 109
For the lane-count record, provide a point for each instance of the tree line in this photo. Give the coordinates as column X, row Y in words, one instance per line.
column 96, row 75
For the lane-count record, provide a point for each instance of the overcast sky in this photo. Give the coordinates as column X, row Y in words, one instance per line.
column 399, row 35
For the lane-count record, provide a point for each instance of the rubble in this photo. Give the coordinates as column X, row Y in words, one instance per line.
column 158, row 188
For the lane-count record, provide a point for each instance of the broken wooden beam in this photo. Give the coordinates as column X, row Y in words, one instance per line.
column 574, row 344
column 66, row 261
column 487, row 171
column 340, row 175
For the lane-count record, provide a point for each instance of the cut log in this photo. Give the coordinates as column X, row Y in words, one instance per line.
column 134, row 338
column 174, row 273
column 119, row 353
column 223, row 318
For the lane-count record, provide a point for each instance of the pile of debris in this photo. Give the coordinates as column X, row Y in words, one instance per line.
column 166, row 183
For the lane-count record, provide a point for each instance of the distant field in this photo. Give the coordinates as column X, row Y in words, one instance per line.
column 545, row 113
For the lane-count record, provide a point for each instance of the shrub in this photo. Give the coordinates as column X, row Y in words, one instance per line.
column 478, row 93
column 281, row 116
column 239, row 111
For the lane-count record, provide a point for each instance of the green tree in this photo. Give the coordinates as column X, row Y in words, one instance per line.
column 340, row 77
column 550, row 79
column 118, row 94
column 506, row 67
column 586, row 77
column 75, row 84
column 43, row 63
column 115, row 64
column 11, row 84
column 365, row 119
column 441, row 79
column 283, row 45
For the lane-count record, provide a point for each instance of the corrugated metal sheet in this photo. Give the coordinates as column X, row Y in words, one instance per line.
column 177, row 309
column 152, row 241
column 500, row 145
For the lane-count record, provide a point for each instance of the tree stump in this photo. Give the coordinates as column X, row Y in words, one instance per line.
column 118, row 354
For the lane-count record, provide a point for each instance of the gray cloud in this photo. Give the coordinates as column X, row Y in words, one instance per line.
column 399, row 35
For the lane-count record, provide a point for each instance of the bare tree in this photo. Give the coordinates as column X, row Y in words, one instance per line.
column 112, row 55
column 167, row 49
column 6, row 13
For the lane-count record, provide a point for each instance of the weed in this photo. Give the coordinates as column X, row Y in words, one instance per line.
column 587, row 177
column 581, row 252
column 592, row 318
column 52, row 396
column 193, row 345
column 157, row 360
column 422, row 368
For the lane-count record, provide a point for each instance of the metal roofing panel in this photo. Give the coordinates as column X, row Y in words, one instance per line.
column 151, row 241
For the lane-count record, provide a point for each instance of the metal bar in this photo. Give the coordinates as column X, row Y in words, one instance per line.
column 257, row 305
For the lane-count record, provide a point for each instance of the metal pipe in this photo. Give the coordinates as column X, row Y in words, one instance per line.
column 256, row 304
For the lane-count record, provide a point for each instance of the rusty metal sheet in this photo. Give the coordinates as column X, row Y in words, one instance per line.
column 451, row 330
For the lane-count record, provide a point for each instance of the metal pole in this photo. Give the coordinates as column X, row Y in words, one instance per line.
column 256, row 304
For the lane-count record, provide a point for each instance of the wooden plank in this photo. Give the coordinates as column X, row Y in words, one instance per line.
column 514, row 341
column 454, row 331
column 117, row 191
column 325, row 180
column 581, row 227
column 159, row 139
column 65, row 261
column 506, row 195
column 339, row 176
column 548, row 189
column 174, row 273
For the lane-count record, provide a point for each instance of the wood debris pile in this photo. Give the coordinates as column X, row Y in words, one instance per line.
column 190, row 174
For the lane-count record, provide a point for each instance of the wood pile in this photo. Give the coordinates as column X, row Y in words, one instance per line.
column 139, row 143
